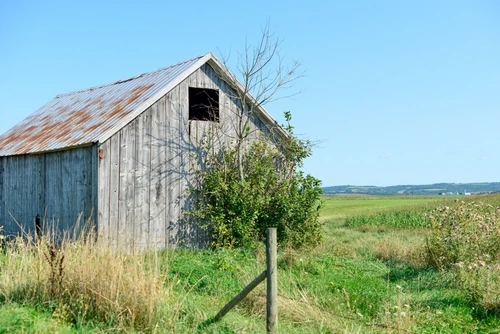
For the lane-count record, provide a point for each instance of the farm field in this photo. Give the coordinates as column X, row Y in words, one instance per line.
column 369, row 275
column 336, row 208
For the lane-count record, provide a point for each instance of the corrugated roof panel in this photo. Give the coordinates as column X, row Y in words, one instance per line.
column 82, row 117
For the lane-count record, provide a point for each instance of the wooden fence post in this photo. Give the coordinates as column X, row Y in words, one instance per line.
column 272, row 281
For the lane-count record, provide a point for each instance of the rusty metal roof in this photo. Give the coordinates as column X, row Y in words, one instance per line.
column 93, row 115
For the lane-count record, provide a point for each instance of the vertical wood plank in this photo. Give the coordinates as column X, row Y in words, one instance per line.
column 184, row 151
column 93, row 188
column 157, row 189
column 166, row 165
column 15, row 195
column 122, row 200
column 39, row 183
column 76, row 179
column 43, row 190
column 32, row 186
column 146, row 156
column 114, row 217
column 12, row 198
column 163, row 200
column 63, row 190
column 2, row 192
column 53, row 183
column 172, row 165
column 104, row 178
column 23, row 196
column 139, row 178
column 127, row 183
column 142, row 177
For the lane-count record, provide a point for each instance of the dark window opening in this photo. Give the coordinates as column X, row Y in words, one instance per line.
column 203, row 104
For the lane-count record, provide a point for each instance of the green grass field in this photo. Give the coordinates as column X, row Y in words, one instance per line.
column 368, row 276
column 340, row 207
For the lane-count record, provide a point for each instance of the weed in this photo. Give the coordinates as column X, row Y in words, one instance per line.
column 468, row 233
column 55, row 258
column 466, row 240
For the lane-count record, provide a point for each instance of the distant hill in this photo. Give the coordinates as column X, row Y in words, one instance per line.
column 429, row 189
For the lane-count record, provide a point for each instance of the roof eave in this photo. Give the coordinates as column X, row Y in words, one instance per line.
column 66, row 148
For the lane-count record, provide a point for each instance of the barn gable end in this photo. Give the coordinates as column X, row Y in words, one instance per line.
column 147, row 168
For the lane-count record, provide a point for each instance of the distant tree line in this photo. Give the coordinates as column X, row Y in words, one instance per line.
column 429, row 189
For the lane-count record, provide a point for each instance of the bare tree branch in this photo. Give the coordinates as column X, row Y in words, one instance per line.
column 264, row 76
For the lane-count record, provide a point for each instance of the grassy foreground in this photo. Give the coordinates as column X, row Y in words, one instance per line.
column 370, row 275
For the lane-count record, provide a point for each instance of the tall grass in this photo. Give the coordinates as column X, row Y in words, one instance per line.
column 83, row 281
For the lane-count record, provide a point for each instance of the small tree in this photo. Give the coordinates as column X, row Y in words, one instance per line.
column 253, row 184
column 264, row 76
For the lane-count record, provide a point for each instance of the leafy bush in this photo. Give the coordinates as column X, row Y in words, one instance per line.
column 245, row 192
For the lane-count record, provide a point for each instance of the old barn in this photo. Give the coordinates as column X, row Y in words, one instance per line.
column 120, row 155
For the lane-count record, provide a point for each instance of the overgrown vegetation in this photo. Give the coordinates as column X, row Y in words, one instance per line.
column 238, row 198
column 466, row 239
column 364, row 279
column 466, row 234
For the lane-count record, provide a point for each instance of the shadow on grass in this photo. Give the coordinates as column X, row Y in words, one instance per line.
column 437, row 290
column 419, row 278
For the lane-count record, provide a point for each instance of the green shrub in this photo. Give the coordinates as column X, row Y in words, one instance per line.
column 243, row 193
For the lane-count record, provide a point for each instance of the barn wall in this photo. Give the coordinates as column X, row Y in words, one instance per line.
column 2, row 190
column 56, row 186
column 146, row 169
column 21, row 194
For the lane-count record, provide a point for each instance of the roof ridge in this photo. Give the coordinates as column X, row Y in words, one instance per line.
column 128, row 79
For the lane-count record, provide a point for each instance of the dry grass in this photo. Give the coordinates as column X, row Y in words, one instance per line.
column 82, row 281
column 404, row 250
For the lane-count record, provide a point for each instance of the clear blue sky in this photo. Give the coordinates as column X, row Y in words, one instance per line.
column 395, row 92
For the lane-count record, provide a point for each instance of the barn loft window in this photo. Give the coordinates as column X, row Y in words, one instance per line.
column 203, row 104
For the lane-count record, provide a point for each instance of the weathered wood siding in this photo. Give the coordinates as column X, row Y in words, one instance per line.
column 147, row 168
column 57, row 186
